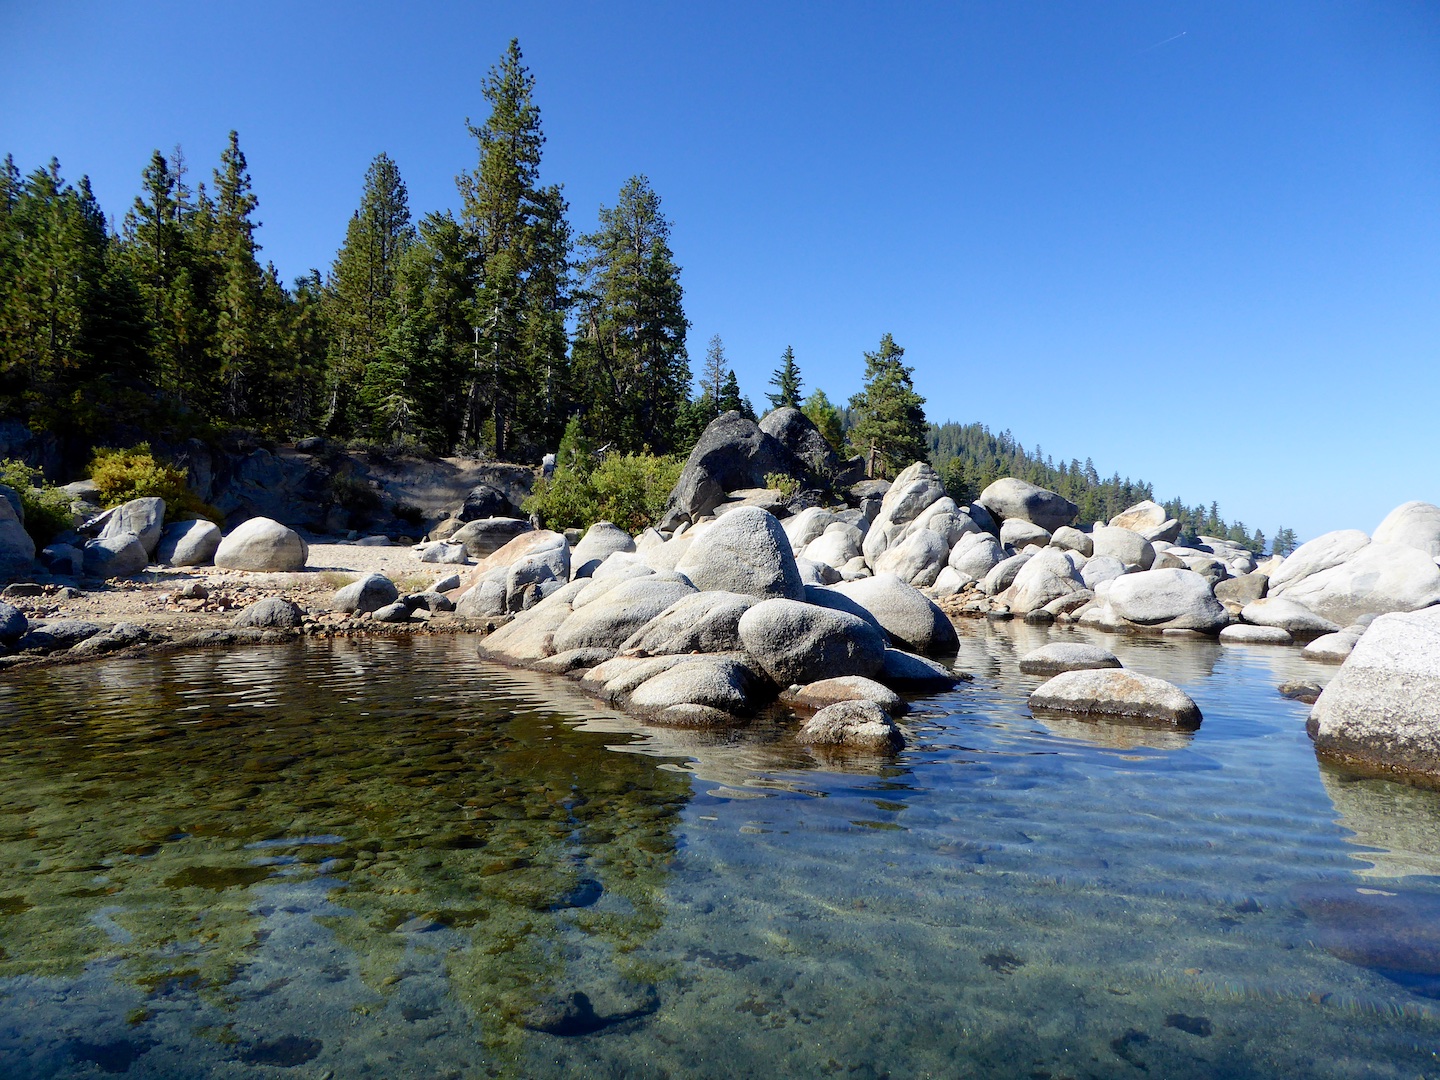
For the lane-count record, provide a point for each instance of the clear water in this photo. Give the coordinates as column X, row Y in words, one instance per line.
column 387, row 859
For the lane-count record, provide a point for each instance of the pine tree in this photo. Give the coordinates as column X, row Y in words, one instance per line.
column 712, row 375
column 629, row 351
column 360, row 298
column 1285, row 541
column 521, row 243
column 891, row 414
column 239, row 330
column 786, row 380
column 825, row 417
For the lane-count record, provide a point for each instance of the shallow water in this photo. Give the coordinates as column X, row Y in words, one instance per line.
column 387, row 858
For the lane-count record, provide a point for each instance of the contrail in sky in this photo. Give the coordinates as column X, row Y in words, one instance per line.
column 1167, row 41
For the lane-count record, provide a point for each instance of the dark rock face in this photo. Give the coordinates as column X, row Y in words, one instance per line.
column 733, row 453
column 484, row 501
column 793, row 430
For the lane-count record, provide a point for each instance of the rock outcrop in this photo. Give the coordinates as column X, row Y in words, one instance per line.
column 1382, row 709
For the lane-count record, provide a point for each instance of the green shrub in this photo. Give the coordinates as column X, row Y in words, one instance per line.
column 47, row 508
column 136, row 473
column 628, row 489
column 784, row 483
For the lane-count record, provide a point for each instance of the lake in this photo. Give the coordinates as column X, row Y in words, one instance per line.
column 388, row 858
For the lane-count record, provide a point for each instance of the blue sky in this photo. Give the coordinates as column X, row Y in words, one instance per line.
column 1198, row 243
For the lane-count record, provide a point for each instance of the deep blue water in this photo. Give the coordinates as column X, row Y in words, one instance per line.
column 387, row 858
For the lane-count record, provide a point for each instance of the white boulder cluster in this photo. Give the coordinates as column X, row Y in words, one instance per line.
column 718, row 620
column 125, row 540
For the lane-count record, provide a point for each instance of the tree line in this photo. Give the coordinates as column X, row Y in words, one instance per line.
column 970, row 458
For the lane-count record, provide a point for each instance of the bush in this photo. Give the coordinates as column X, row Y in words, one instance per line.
column 47, row 508
column 135, row 473
column 784, row 483
column 628, row 489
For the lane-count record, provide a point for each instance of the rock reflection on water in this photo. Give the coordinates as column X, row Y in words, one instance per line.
column 1397, row 826
column 145, row 809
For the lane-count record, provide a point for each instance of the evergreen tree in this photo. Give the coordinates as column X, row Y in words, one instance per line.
column 731, row 399
column 712, row 375
column 891, row 421
column 826, row 418
column 360, row 297
column 239, row 327
column 786, row 380
column 1285, row 541
column 521, row 243
column 630, row 344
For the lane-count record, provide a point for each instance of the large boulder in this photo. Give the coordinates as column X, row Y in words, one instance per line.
column 1018, row 534
column 188, row 543
column 916, row 488
column 1069, row 538
column 1414, row 524
column 732, row 453
column 1011, row 498
column 707, row 622
column 262, row 544
column 802, row 643
column 1376, row 579
column 17, row 550
column 795, row 431
column 1313, row 556
column 1141, row 517
column 1101, row 569
column 488, row 535
column 826, row 692
column 1167, row 600
column 1129, row 547
column 600, row 541
column 1382, row 709
column 857, row 725
column 1117, row 693
column 370, row 593
column 271, row 613
column 1285, row 613
column 530, row 635
column 836, row 546
column 746, row 551
column 498, row 491
column 976, row 555
column 53, row 635
column 607, row 623
column 543, row 567
column 1047, row 576
column 694, row 690
column 121, row 555
column 1003, row 574
column 918, row 558
column 13, row 624
column 808, row 525
column 142, row 517
column 905, row 613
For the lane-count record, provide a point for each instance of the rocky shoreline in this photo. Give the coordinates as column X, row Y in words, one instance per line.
column 836, row 601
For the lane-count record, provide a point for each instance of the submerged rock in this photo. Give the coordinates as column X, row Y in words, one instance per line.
column 1117, row 693
column 859, row 725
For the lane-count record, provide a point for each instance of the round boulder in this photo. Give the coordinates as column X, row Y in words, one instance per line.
column 370, row 593
column 272, row 613
column 1167, row 600
column 117, row 556
column 802, row 643
column 1247, row 634
column 1117, row 693
column 1286, row 614
column 826, row 692
column 1011, row 498
column 746, row 551
column 142, row 517
column 905, row 613
column 262, row 544
column 600, row 541
column 857, row 725
column 188, row 543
